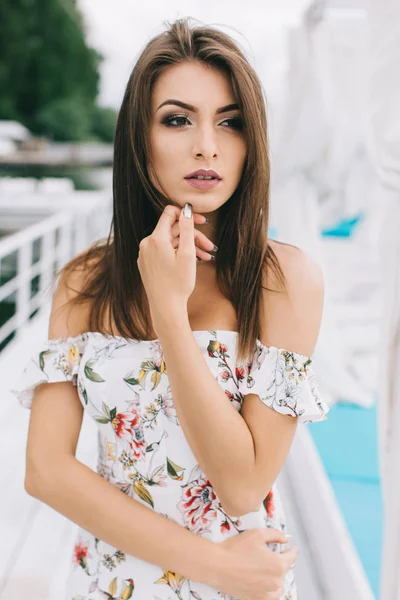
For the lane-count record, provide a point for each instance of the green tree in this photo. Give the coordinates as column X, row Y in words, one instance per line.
column 47, row 71
column 104, row 121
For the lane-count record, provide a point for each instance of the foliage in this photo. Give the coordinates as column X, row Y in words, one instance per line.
column 104, row 123
column 49, row 78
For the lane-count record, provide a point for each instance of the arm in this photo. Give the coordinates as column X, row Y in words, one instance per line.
column 242, row 453
column 56, row 477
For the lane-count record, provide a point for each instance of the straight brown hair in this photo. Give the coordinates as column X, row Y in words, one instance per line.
column 113, row 284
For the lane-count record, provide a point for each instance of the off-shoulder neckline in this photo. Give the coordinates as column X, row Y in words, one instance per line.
column 196, row 332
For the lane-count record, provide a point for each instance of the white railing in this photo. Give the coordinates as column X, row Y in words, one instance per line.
column 58, row 237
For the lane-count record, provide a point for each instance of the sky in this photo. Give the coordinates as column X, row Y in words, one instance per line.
column 121, row 28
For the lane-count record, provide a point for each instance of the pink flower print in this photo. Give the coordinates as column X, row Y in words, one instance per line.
column 168, row 407
column 223, row 349
column 240, row 374
column 225, row 375
column 127, row 427
column 81, row 554
column 156, row 353
column 269, row 504
column 198, row 505
column 225, row 527
column 230, row 395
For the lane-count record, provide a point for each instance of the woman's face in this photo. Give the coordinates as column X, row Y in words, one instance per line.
column 195, row 125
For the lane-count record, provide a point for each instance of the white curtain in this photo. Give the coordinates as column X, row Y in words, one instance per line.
column 305, row 162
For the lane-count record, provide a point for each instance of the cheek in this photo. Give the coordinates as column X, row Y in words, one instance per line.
column 165, row 153
column 237, row 156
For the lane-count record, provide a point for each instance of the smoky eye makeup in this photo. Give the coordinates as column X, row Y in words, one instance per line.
column 168, row 120
column 181, row 120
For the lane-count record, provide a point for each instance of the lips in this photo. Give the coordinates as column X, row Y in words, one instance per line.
column 203, row 173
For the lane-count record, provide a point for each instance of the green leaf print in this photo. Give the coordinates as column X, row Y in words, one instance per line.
column 41, row 358
column 84, row 394
column 131, row 380
column 90, row 374
column 174, row 469
column 102, row 420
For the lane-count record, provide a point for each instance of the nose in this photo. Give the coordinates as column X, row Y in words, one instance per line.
column 205, row 143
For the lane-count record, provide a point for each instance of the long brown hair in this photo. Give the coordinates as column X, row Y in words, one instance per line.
column 113, row 283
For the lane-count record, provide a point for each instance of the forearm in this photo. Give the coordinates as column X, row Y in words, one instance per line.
column 96, row 505
column 217, row 434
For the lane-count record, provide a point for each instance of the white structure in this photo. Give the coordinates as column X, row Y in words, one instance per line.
column 12, row 133
column 321, row 172
column 384, row 128
column 62, row 225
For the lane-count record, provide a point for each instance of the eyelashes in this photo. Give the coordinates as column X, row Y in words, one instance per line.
column 235, row 122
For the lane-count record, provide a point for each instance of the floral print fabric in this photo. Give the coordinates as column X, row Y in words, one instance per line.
column 123, row 385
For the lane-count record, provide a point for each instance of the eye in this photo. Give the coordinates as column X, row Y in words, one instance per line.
column 170, row 118
column 182, row 120
column 235, row 122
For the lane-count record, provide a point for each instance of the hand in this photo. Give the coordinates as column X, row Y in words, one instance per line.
column 250, row 570
column 167, row 258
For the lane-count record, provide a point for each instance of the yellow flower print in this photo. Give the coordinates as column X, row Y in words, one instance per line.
column 174, row 580
column 74, row 354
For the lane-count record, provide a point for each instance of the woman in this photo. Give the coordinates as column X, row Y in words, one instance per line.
column 171, row 355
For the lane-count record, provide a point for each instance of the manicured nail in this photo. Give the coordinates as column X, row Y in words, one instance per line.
column 293, row 565
column 287, row 535
column 214, row 249
column 187, row 210
column 212, row 257
column 207, row 220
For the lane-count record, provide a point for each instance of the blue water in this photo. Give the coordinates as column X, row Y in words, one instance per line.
column 344, row 227
column 348, row 446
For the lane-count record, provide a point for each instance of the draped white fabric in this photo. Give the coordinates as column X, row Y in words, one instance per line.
column 311, row 154
column 383, row 113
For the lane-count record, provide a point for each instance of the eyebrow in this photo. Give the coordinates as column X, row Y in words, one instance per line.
column 192, row 108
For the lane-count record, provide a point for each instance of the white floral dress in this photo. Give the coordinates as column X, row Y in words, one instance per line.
column 142, row 449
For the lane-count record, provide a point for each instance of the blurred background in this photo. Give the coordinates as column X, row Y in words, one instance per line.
column 330, row 70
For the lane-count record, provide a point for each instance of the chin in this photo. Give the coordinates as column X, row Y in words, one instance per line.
column 204, row 203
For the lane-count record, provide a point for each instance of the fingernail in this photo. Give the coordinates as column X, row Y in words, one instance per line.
column 187, row 210
column 288, row 535
column 293, row 565
column 214, row 249
column 212, row 257
column 207, row 220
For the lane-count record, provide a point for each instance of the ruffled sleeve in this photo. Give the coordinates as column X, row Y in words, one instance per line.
column 285, row 382
column 57, row 360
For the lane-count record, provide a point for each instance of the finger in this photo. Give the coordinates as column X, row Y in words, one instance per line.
column 201, row 240
column 186, row 232
column 274, row 535
column 167, row 219
column 198, row 219
column 289, row 557
column 170, row 217
column 202, row 254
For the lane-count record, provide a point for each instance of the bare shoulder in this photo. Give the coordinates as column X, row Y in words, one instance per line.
column 66, row 318
column 292, row 313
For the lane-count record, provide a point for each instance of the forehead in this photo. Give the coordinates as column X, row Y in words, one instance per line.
column 198, row 84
